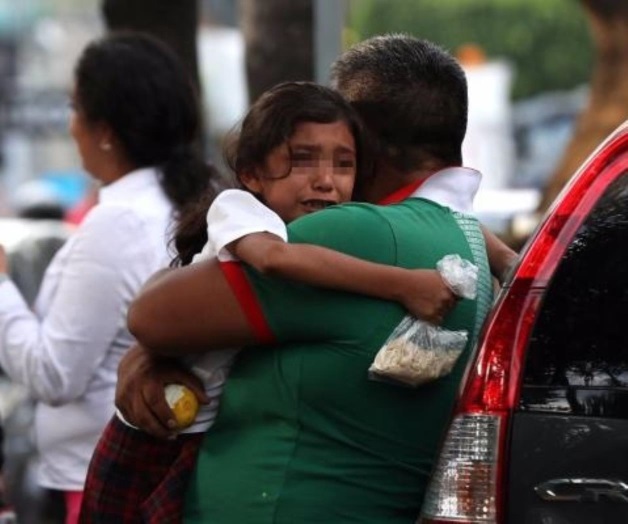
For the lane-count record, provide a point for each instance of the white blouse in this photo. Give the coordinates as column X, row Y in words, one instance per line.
column 66, row 352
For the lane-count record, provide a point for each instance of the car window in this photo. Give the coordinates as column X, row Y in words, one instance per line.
column 580, row 340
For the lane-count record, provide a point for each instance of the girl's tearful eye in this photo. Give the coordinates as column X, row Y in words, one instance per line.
column 303, row 158
column 346, row 164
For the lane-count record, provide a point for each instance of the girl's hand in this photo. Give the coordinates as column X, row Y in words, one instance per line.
column 4, row 264
column 426, row 296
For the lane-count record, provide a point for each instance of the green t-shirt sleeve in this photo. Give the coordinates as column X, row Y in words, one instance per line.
column 297, row 312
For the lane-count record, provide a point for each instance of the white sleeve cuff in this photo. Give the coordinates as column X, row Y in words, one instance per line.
column 235, row 214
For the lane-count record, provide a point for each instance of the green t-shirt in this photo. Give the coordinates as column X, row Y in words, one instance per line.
column 303, row 435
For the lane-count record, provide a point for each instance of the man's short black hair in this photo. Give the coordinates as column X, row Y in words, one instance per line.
column 412, row 95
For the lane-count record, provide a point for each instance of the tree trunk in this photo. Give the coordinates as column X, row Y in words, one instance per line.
column 173, row 21
column 608, row 102
column 279, row 42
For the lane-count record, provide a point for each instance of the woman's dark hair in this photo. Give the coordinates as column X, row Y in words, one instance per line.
column 137, row 86
column 273, row 117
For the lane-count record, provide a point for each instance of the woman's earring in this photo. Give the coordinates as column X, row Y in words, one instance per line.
column 105, row 146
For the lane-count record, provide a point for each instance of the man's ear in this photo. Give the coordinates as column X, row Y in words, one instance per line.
column 251, row 181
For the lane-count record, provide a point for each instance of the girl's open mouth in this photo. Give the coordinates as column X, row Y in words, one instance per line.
column 317, row 205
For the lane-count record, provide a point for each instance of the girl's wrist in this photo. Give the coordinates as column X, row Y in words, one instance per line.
column 396, row 289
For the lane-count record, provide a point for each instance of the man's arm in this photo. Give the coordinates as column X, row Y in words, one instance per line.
column 193, row 309
column 500, row 256
column 189, row 310
column 179, row 311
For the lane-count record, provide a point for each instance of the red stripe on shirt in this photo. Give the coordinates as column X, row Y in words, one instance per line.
column 245, row 295
column 403, row 193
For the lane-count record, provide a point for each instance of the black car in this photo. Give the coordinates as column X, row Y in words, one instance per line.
column 540, row 431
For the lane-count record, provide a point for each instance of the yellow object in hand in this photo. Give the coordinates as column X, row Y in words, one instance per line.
column 183, row 403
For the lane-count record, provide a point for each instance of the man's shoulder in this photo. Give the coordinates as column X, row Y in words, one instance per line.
column 357, row 218
column 341, row 221
column 352, row 212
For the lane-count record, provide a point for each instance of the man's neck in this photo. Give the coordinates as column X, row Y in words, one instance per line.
column 388, row 179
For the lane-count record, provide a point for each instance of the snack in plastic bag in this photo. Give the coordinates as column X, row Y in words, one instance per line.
column 418, row 352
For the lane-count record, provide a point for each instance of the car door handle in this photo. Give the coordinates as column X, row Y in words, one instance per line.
column 583, row 490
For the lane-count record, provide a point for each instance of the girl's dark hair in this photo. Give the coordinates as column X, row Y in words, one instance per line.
column 137, row 86
column 273, row 117
column 190, row 233
column 271, row 121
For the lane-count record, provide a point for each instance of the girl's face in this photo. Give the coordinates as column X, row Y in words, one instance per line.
column 321, row 162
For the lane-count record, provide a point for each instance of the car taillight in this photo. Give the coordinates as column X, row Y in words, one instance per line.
column 464, row 482
column 469, row 481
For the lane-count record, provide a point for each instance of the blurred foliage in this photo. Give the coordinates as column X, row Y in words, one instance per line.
column 547, row 41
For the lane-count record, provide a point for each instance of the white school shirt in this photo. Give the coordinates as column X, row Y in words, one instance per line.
column 66, row 351
column 233, row 214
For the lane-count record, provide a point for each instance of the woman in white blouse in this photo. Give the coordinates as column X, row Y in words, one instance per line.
column 135, row 121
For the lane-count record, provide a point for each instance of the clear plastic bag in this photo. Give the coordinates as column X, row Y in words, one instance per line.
column 459, row 274
column 418, row 352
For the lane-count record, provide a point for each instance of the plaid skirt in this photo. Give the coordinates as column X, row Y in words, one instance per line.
column 136, row 478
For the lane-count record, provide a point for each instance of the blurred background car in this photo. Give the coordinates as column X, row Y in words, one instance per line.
column 540, row 431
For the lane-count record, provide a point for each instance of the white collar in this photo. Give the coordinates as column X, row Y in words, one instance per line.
column 453, row 187
column 127, row 187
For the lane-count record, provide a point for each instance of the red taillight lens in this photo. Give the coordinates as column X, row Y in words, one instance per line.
column 491, row 385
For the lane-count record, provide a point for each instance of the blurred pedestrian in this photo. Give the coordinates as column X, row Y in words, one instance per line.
column 135, row 122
